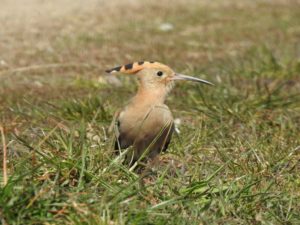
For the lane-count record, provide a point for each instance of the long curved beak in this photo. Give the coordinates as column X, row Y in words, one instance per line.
column 190, row 78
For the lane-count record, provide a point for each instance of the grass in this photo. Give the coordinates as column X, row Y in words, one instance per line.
column 237, row 157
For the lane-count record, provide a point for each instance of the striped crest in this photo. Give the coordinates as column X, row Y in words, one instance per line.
column 135, row 67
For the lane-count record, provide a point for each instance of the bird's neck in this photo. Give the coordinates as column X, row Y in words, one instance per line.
column 150, row 96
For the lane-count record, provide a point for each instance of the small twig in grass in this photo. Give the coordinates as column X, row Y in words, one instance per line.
column 4, row 156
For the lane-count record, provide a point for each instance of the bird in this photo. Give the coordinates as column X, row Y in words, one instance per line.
column 146, row 123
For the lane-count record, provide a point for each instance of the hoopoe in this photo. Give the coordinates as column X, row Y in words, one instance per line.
column 146, row 123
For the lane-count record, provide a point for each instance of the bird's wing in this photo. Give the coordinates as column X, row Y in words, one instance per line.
column 151, row 133
column 123, row 138
column 155, row 133
column 122, row 141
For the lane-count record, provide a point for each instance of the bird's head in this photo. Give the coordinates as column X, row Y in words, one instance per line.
column 154, row 75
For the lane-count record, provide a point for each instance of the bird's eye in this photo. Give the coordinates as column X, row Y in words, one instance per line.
column 159, row 73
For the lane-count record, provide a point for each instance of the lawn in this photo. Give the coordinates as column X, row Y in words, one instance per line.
column 236, row 159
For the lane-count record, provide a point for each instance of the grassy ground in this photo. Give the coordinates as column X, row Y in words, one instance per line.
column 237, row 157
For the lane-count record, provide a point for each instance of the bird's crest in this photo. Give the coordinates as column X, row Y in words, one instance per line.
column 135, row 67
